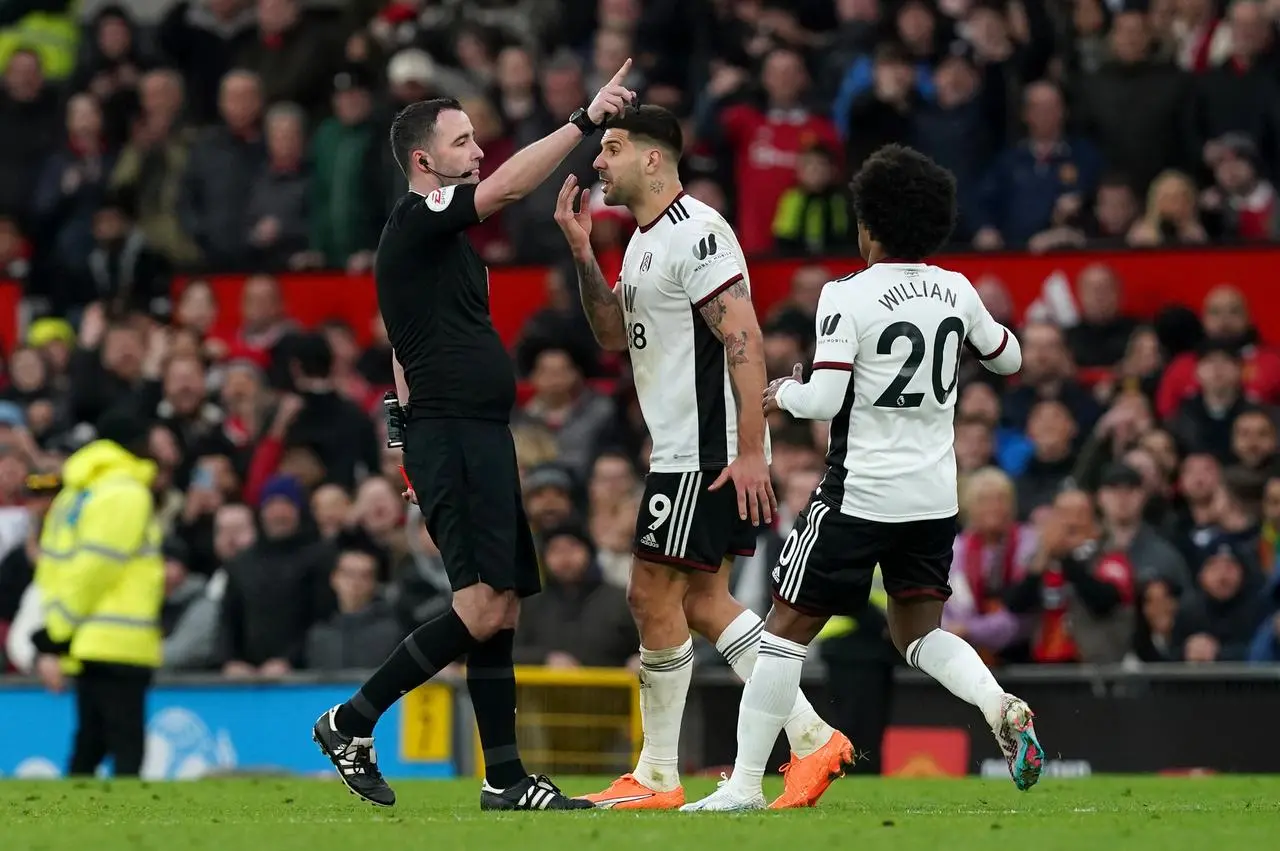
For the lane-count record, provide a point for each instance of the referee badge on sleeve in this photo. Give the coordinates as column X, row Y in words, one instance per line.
column 438, row 199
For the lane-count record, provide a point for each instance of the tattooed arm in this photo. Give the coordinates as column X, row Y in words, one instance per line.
column 732, row 318
column 603, row 308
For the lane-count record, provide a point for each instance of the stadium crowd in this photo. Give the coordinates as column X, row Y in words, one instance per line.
column 1120, row 497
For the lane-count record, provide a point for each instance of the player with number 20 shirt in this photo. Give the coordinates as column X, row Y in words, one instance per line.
column 884, row 373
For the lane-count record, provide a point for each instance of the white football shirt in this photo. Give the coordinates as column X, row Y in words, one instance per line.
column 672, row 267
column 885, row 372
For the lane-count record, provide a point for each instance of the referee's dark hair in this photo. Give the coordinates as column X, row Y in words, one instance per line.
column 905, row 201
column 653, row 124
column 412, row 128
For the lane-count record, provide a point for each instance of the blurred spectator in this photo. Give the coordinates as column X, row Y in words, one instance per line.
column 265, row 332
column 1201, row 41
column 882, row 113
column 1046, row 374
column 72, row 185
column 1122, row 498
column 294, row 54
column 1265, row 646
column 331, row 506
column 962, row 129
column 152, row 163
column 1253, row 441
column 1041, row 181
column 279, row 208
column 814, row 217
column 578, row 619
column 1226, row 321
column 1083, row 598
column 340, row 434
column 221, row 170
column 110, row 67
column 1241, row 205
column 564, row 404
column 1270, row 532
column 363, row 631
column 1172, row 217
column 1157, row 612
column 548, row 498
column 1105, row 225
column 1218, row 618
column 974, row 445
column 272, row 589
column 346, row 218
column 1052, row 431
column 1132, row 106
column 109, row 368
column 200, row 39
column 980, row 402
column 1203, row 422
column 123, row 271
column 991, row 555
column 26, row 101
column 766, row 140
column 1102, row 334
column 535, row 237
column 1241, row 94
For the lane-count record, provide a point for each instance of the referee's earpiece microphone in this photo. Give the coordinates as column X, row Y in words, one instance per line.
column 422, row 161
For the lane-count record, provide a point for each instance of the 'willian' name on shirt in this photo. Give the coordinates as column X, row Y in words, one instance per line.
column 899, row 293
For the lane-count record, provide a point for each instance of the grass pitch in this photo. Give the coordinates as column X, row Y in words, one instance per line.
column 269, row 814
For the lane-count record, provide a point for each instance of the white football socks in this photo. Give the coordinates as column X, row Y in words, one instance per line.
column 806, row 731
column 767, row 700
column 664, row 684
column 951, row 660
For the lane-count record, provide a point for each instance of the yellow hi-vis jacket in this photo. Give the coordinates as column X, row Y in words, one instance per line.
column 100, row 570
column 842, row 625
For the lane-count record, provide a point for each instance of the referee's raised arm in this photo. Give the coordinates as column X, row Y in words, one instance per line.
column 528, row 167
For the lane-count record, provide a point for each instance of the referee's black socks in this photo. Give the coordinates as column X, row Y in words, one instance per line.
column 491, row 679
column 422, row 655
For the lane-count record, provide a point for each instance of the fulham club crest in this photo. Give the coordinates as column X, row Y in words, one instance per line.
column 645, row 261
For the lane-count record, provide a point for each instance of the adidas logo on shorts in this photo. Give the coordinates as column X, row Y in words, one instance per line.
column 649, row 541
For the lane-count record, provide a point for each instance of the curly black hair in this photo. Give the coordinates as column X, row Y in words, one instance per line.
column 906, row 201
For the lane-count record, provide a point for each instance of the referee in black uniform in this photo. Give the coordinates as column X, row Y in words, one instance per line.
column 456, row 380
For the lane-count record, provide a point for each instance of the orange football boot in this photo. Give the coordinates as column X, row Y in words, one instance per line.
column 807, row 778
column 628, row 793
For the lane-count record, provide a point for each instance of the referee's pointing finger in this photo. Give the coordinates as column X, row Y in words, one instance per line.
column 622, row 73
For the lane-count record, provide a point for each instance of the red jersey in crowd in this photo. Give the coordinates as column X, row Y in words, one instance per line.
column 1261, row 377
column 766, row 146
column 1053, row 641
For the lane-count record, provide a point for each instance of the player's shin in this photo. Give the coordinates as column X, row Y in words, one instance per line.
column 738, row 644
column 767, row 701
column 664, row 685
column 954, row 663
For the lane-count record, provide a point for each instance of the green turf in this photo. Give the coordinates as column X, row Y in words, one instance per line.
column 1160, row 814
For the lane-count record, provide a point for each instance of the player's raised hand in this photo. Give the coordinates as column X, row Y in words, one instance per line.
column 750, row 476
column 576, row 226
column 613, row 98
column 771, row 392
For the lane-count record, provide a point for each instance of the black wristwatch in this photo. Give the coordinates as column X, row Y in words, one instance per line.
column 583, row 122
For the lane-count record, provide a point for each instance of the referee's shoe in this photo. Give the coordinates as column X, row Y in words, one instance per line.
column 535, row 792
column 355, row 759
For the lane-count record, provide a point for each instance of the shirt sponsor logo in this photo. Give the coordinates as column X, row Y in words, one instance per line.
column 438, row 200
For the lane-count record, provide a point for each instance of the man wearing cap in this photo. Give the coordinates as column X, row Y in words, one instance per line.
column 345, row 204
column 1122, row 498
column 101, row 576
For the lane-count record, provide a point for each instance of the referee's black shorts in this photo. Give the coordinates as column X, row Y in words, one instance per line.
column 464, row 473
